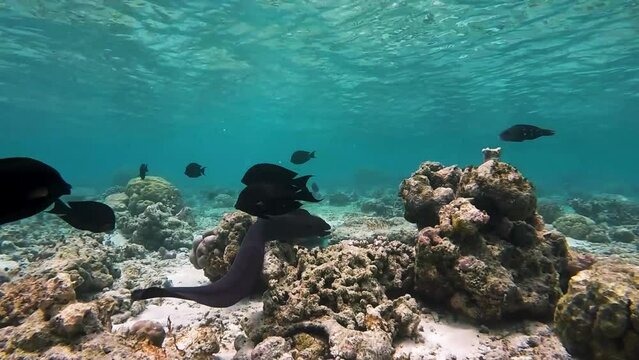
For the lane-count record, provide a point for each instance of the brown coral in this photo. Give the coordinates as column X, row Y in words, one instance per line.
column 598, row 318
column 485, row 253
column 215, row 251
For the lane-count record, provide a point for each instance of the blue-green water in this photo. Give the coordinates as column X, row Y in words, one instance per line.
column 94, row 87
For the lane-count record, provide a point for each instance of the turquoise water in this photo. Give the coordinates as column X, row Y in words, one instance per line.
column 95, row 87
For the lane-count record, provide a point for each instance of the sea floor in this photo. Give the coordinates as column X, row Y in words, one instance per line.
column 442, row 336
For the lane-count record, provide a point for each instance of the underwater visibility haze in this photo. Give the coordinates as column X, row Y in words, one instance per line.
column 366, row 121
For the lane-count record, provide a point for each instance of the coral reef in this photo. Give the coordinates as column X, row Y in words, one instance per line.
column 369, row 229
column 151, row 190
column 482, row 251
column 607, row 208
column 380, row 208
column 549, row 210
column 340, row 199
column 427, row 190
column 352, row 284
column 151, row 213
column 215, row 251
column 598, row 318
column 574, row 225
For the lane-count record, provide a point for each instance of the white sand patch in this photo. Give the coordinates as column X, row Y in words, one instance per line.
column 186, row 313
column 443, row 340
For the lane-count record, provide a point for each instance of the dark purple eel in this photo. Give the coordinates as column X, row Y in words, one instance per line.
column 244, row 274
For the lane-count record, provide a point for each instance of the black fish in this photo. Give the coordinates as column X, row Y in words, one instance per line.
column 86, row 215
column 143, row 170
column 314, row 187
column 267, row 173
column 272, row 190
column 521, row 132
column 301, row 156
column 27, row 187
column 244, row 274
column 194, row 170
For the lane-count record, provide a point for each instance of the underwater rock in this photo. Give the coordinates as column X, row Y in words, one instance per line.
column 152, row 213
column 346, row 343
column 86, row 260
column 622, row 234
column 367, row 229
column 379, row 208
column 598, row 318
column 549, row 210
column 484, row 252
column 607, row 208
column 339, row 199
column 223, row 201
column 151, row 190
column 22, row 297
column 117, row 201
column 427, row 190
column 273, row 347
column 598, row 235
column 216, row 249
column 148, row 330
column 575, row 226
column 352, row 284
column 500, row 190
column 155, row 227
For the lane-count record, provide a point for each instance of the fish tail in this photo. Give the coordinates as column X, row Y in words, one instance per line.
column 59, row 208
column 312, row 154
column 203, row 168
column 548, row 132
column 301, row 181
column 305, row 195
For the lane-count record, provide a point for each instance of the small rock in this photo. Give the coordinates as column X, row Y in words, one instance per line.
column 483, row 329
column 149, row 330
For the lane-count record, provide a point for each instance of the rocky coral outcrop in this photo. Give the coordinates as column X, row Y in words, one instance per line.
column 86, row 260
column 151, row 213
column 369, row 229
column 598, row 318
column 215, row 250
column 607, row 208
column 575, row 225
column 549, row 210
column 481, row 248
column 355, row 285
column 152, row 190
column 427, row 190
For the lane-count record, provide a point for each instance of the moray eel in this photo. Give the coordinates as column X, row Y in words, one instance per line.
column 244, row 274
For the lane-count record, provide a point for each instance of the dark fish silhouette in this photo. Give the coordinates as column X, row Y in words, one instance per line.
column 194, row 170
column 521, row 132
column 267, row 173
column 27, row 187
column 85, row 215
column 143, row 170
column 314, row 187
column 301, row 156
column 244, row 274
column 272, row 190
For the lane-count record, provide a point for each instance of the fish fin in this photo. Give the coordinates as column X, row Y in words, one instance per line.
column 305, row 195
column 60, row 208
column 301, row 181
column 39, row 193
